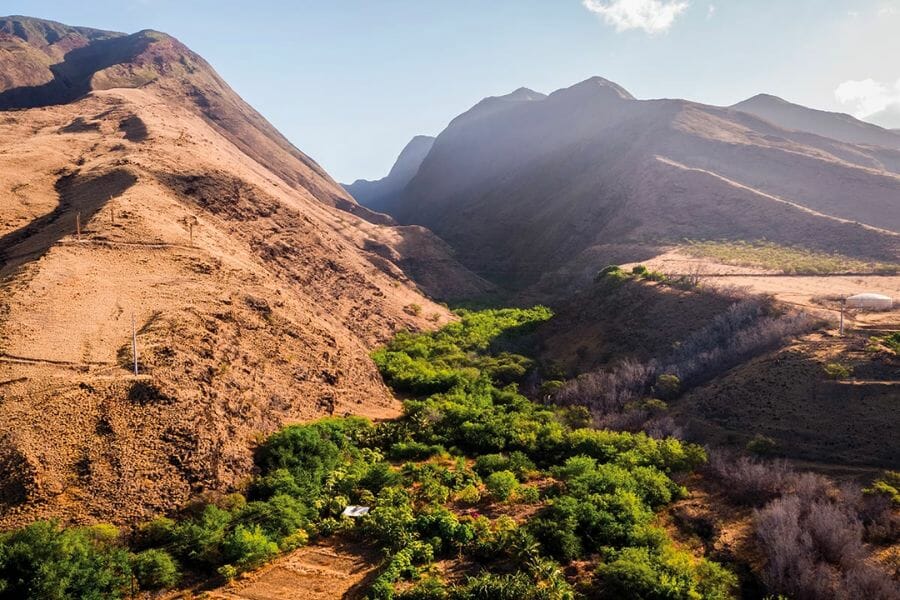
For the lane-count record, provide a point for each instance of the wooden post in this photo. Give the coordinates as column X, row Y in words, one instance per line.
column 134, row 344
column 78, row 226
column 191, row 230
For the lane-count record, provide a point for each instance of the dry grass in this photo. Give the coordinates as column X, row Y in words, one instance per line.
column 793, row 260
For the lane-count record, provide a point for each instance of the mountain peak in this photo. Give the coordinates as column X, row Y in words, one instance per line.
column 524, row 94
column 764, row 99
column 593, row 89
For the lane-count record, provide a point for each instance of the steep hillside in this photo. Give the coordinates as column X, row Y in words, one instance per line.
column 589, row 175
column 255, row 302
column 836, row 126
column 373, row 194
column 49, row 63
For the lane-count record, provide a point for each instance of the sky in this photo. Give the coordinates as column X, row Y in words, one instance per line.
column 351, row 81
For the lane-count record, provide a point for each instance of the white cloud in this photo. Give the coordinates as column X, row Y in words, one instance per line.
column 711, row 12
column 868, row 97
column 653, row 16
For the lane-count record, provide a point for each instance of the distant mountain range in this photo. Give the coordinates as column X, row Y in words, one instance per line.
column 527, row 185
column 832, row 125
column 374, row 194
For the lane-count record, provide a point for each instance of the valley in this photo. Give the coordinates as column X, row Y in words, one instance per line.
column 575, row 345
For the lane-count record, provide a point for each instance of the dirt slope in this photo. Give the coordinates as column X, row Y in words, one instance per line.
column 256, row 302
column 590, row 175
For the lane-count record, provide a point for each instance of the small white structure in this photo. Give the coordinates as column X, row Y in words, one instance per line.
column 355, row 511
column 870, row 301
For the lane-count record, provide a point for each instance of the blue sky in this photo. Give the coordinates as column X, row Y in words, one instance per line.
column 350, row 81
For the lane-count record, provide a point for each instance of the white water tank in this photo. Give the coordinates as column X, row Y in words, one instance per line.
column 870, row 301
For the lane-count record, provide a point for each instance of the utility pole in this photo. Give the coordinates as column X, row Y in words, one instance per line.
column 134, row 344
column 843, row 302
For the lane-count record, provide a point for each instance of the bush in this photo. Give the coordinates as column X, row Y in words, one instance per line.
column 501, row 484
column 664, row 574
column 667, row 386
column 528, row 494
column 838, row 371
column 155, row 569
column 279, row 516
column 888, row 485
column 248, row 547
column 199, row 540
column 750, row 481
column 814, row 549
column 762, row 445
column 44, row 561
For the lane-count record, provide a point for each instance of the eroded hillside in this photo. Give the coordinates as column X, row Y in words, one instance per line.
column 255, row 299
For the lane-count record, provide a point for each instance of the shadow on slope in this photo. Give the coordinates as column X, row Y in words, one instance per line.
column 72, row 77
column 78, row 195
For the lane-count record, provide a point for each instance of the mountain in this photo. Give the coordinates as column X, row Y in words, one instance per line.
column 143, row 197
column 373, row 194
column 556, row 187
column 832, row 125
column 378, row 194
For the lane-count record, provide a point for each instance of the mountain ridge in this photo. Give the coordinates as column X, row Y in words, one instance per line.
column 838, row 126
column 561, row 183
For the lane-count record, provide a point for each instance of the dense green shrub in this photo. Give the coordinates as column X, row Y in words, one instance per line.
column 662, row 574
column 248, row 547
column 155, row 569
column 887, row 485
column 199, row 540
column 45, row 561
column 501, row 484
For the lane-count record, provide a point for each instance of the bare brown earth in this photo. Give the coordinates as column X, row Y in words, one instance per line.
column 819, row 294
column 331, row 570
column 256, row 298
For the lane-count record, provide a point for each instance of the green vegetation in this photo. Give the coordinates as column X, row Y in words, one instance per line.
column 888, row 485
column 838, row 371
column 616, row 274
column 889, row 343
column 47, row 562
column 786, row 259
column 762, row 445
column 468, row 443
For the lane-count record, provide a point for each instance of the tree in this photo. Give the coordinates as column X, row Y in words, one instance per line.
column 155, row 569
column 501, row 484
